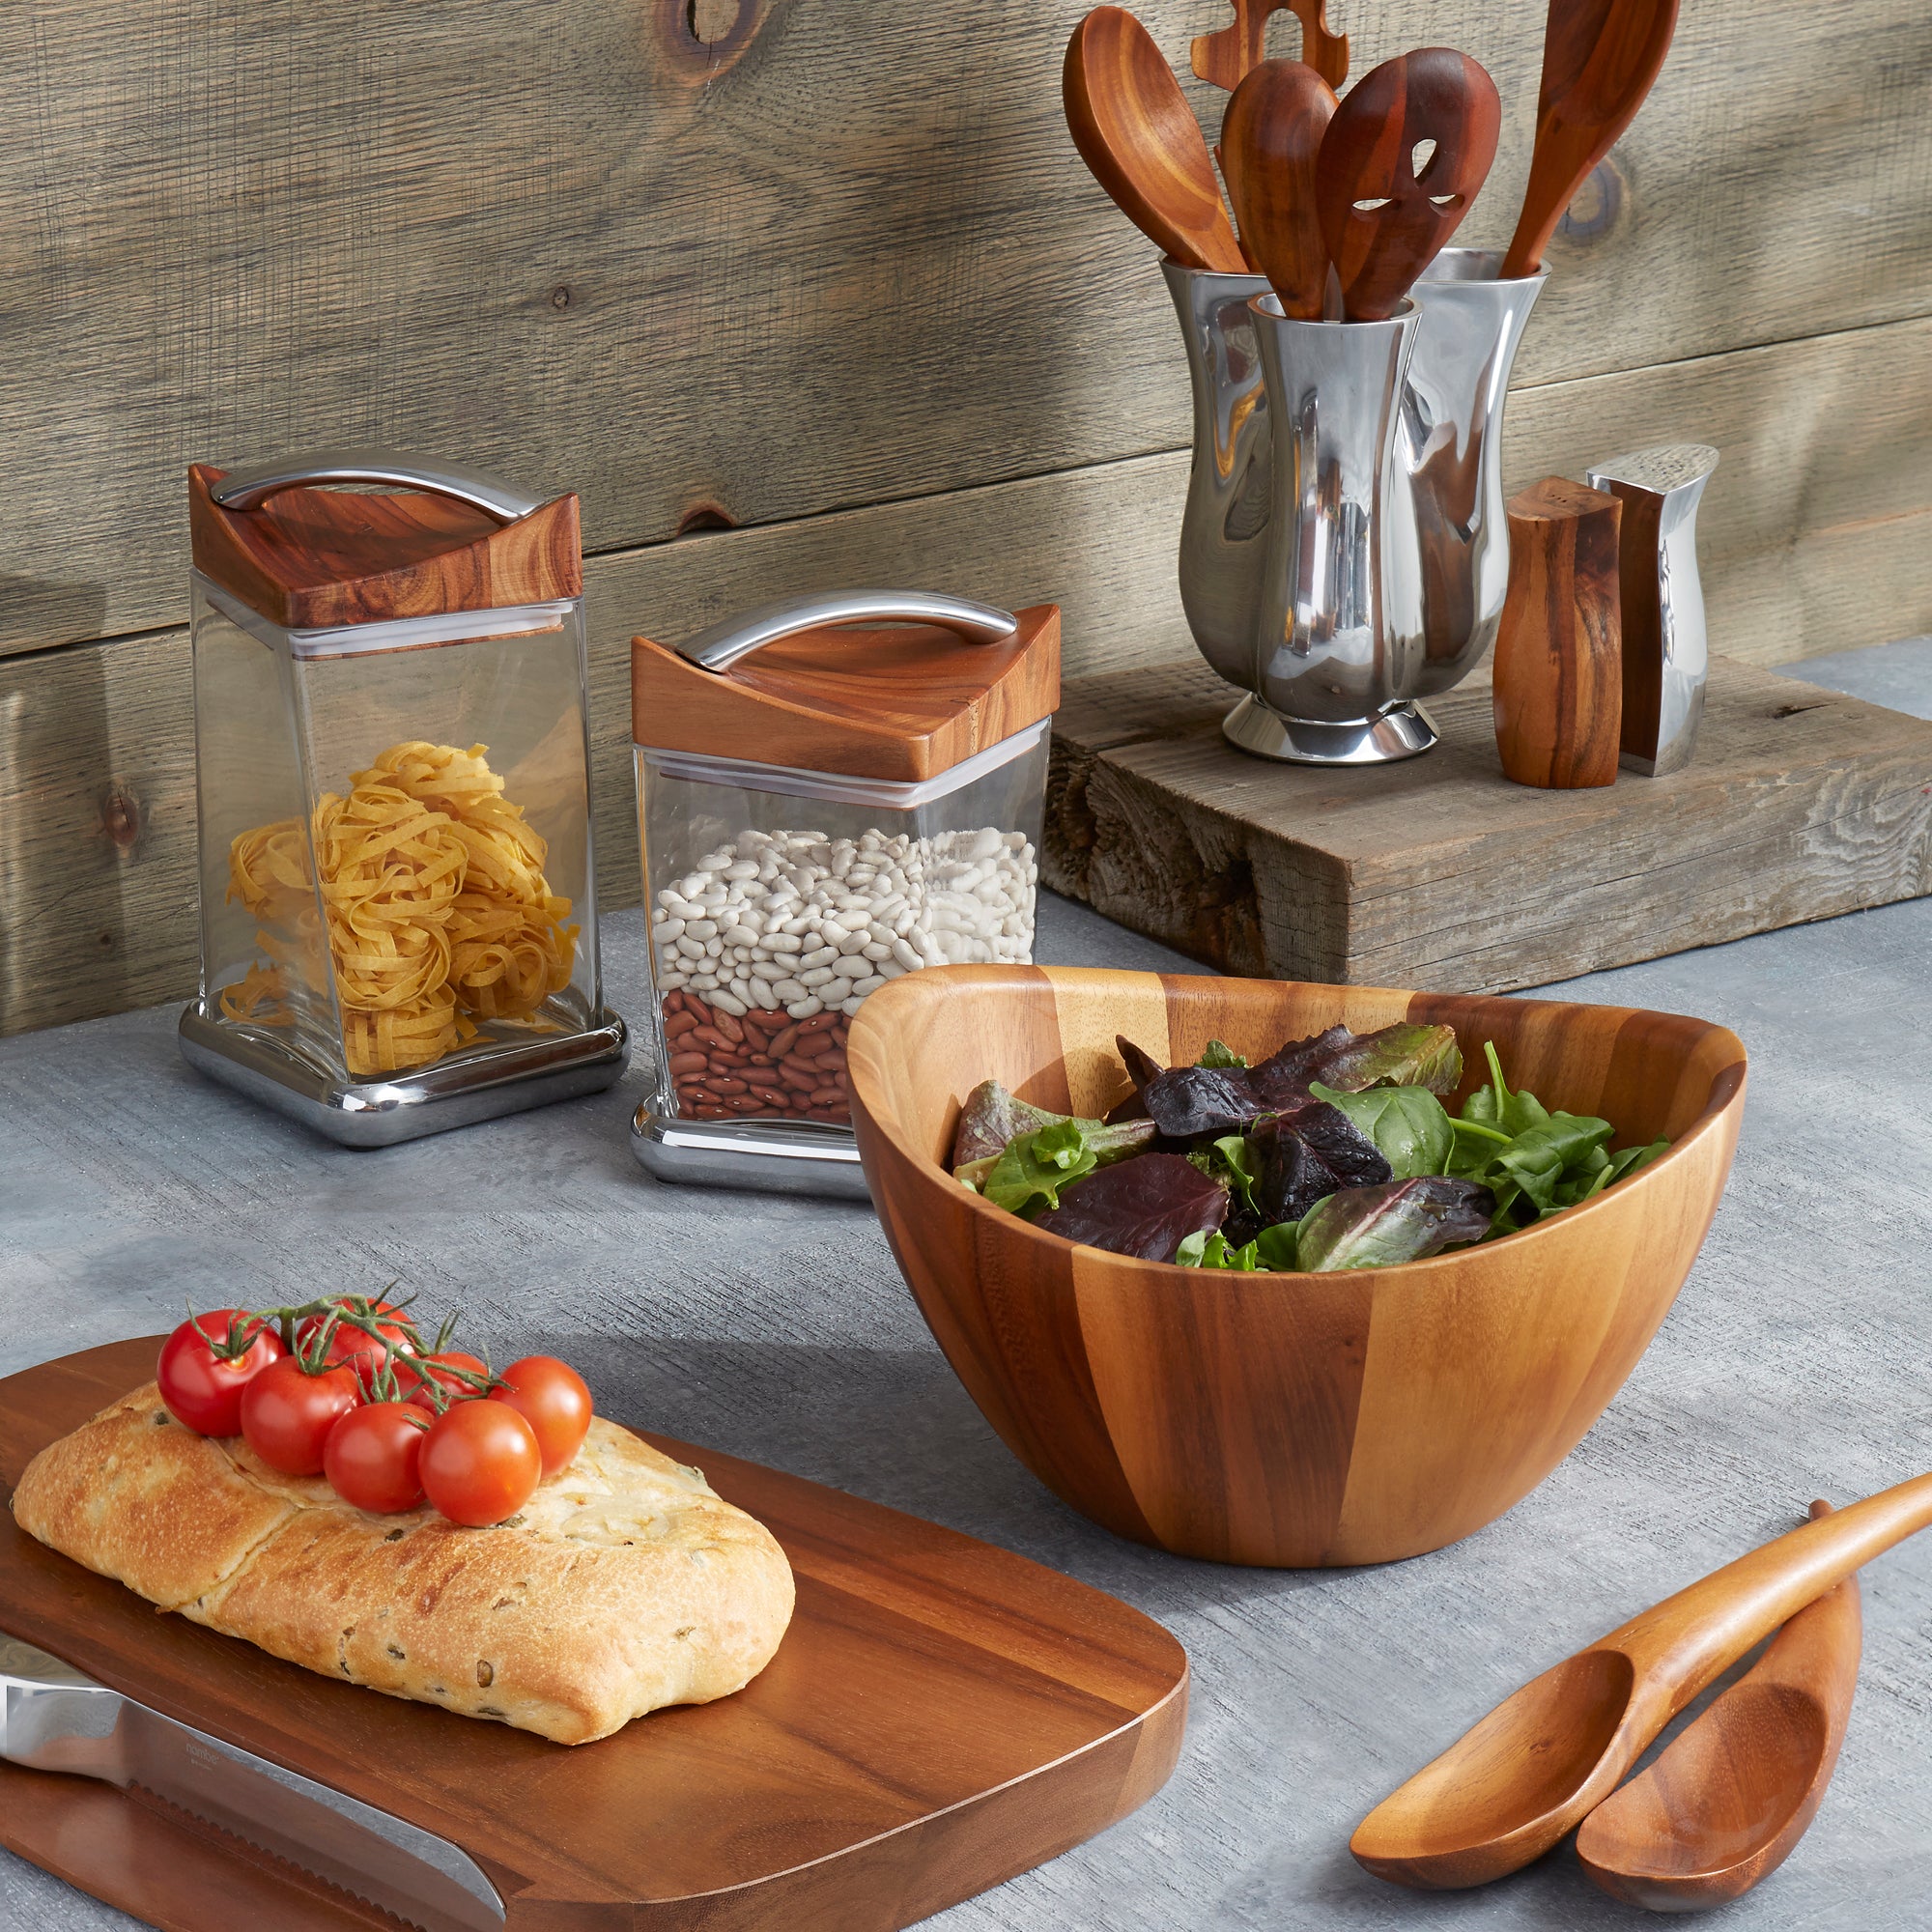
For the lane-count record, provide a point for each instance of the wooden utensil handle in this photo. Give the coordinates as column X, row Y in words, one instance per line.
column 1685, row 1643
column 1226, row 58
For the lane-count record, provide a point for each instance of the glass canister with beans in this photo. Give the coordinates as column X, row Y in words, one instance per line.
column 832, row 791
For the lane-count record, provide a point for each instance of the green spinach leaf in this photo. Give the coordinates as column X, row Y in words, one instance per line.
column 1407, row 1124
column 1218, row 1053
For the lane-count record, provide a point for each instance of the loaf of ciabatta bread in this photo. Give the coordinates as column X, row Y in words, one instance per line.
column 624, row 1584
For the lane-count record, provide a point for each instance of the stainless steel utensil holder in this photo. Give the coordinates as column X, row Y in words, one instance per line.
column 1342, row 573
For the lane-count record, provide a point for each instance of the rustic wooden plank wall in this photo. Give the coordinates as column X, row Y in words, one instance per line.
column 834, row 276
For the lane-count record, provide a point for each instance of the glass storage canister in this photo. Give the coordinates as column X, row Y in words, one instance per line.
column 398, row 894
column 831, row 791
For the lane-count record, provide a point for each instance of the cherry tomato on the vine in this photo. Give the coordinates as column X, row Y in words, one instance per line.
column 357, row 1347
column 479, row 1462
column 287, row 1413
column 203, row 1392
column 371, row 1456
column 416, row 1379
column 551, row 1397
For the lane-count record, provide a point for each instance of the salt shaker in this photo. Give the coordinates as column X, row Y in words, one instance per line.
column 1666, row 656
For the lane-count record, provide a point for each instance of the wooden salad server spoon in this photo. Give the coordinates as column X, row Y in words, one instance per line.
column 1271, row 136
column 1599, row 60
column 1407, row 152
column 1726, row 1800
column 1227, row 58
column 1135, row 131
column 1546, row 1757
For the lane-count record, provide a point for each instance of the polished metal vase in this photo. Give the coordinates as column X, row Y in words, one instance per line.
column 1341, row 572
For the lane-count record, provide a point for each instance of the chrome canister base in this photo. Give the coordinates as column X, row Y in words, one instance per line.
column 455, row 1093
column 1403, row 731
column 768, row 1157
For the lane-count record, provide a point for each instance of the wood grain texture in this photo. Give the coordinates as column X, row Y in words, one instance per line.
column 1266, row 1419
column 1135, row 131
column 1558, row 671
column 1812, row 546
column 941, row 1716
column 318, row 557
column 1271, row 138
column 1800, row 804
column 1534, row 1769
column 1387, row 208
column 583, row 246
column 1226, row 56
column 1729, row 1798
column 903, row 702
column 1599, row 61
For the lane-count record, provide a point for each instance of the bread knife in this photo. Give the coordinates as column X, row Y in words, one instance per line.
column 53, row 1718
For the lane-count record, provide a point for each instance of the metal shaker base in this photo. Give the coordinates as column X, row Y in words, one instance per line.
column 766, row 1156
column 456, row 1092
column 1405, row 731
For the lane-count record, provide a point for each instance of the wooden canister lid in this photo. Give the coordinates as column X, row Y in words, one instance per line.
column 900, row 702
column 311, row 559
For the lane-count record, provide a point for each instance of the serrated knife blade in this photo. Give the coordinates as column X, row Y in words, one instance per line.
column 55, row 1718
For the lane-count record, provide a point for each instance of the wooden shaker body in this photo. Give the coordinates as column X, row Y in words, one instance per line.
column 1559, row 655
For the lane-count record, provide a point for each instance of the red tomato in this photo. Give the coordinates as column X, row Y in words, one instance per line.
column 480, row 1461
column 551, row 1396
column 287, row 1413
column 371, row 1454
column 360, row 1350
column 416, row 1383
column 201, row 1391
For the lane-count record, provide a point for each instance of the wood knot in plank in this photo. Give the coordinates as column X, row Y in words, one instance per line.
column 121, row 818
column 706, row 37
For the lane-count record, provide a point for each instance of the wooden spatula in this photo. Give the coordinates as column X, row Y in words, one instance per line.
column 1599, row 60
column 1226, row 59
column 1134, row 128
column 1404, row 157
column 1271, row 138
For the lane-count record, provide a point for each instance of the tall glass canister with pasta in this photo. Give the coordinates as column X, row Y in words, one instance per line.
column 831, row 791
column 398, row 890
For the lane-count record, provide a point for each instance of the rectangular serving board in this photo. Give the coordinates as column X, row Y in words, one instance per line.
column 941, row 1716
column 1439, row 873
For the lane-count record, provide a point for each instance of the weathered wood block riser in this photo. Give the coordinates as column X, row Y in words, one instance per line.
column 1439, row 873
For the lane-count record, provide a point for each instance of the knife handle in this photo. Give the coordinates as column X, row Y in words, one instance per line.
column 55, row 1718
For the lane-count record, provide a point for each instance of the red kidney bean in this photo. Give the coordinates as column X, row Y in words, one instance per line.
column 688, row 1063
column 782, row 1043
column 818, row 1022
column 728, row 1026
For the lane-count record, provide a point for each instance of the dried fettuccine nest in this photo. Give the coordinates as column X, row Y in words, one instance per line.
column 436, row 903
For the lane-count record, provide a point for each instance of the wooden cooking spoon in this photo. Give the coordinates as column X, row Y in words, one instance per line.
column 1546, row 1757
column 1725, row 1802
column 1599, row 60
column 1134, row 128
column 1271, row 136
column 1226, row 59
column 1405, row 154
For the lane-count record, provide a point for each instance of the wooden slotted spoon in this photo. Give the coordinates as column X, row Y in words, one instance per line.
column 1543, row 1759
column 1728, row 1800
column 1135, row 131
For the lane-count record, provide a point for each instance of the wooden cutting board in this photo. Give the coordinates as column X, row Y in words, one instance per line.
column 941, row 1716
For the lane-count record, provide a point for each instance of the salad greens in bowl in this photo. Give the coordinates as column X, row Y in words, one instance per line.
column 1335, row 1153
column 1283, row 1273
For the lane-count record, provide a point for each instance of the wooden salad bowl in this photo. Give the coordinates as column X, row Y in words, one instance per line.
column 1285, row 1419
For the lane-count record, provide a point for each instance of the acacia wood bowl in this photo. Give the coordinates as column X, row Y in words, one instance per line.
column 1284, row 1419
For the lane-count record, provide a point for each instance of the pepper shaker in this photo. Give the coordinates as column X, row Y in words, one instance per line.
column 1665, row 655
column 1557, row 692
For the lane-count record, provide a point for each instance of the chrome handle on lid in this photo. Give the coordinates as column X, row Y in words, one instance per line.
column 249, row 489
column 720, row 647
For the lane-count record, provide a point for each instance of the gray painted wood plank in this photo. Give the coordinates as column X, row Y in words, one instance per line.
column 834, row 257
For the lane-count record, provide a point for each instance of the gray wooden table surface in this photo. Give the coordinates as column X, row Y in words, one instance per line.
column 1795, row 1364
